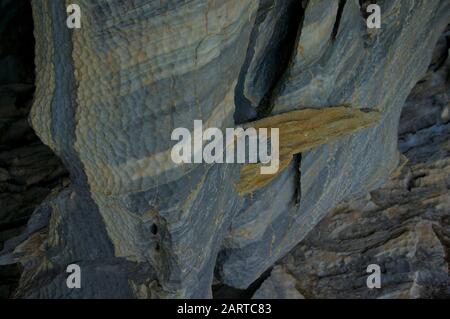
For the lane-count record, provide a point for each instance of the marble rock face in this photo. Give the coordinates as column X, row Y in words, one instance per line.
column 403, row 226
column 108, row 96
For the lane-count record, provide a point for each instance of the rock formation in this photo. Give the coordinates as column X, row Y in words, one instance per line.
column 301, row 131
column 404, row 226
column 108, row 96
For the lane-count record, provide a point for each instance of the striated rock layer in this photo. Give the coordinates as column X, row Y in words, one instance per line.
column 343, row 64
column 404, row 226
column 108, row 96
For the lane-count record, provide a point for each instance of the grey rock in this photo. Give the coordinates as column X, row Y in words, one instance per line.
column 403, row 226
column 280, row 285
column 108, row 96
column 370, row 70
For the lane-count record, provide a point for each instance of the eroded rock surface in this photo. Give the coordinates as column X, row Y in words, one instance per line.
column 404, row 226
column 343, row 64
column 108, row 96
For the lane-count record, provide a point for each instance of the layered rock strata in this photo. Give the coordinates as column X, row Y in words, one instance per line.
column 108, row 96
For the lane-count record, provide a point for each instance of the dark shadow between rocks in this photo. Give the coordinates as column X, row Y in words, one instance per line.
column 28, row 169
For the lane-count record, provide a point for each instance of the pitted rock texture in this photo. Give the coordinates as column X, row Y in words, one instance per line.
column 108, row 96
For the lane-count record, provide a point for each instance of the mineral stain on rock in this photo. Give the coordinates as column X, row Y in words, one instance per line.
column 303, row 130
